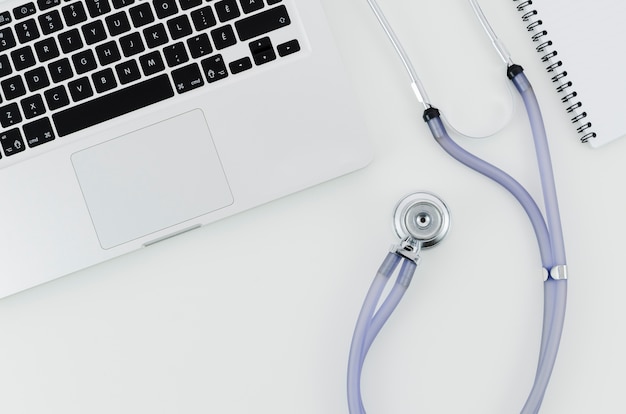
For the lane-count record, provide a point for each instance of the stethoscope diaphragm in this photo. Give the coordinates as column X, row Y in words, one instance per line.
column 422, row 217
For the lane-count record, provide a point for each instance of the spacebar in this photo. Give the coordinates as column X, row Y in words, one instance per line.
column 113, row 105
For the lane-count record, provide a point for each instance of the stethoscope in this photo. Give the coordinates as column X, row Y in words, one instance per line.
column 422, row 220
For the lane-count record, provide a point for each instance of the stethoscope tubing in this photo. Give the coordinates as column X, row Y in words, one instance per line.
column 468, row 159
column 555, row 301
column 548, row 232
column 358, row 349
column 555, row 291
column 544, row 163
column 372, row 319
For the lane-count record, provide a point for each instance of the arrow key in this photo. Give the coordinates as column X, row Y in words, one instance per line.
column 264, row 56
column 262, row 51
column 240, row 65
column 288, row 48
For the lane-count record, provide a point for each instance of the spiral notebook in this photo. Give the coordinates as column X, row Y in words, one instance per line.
column 581, row 44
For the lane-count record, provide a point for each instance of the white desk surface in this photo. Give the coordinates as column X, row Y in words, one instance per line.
column 254, row 314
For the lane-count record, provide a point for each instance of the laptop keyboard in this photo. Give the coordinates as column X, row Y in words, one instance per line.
column 69, row 65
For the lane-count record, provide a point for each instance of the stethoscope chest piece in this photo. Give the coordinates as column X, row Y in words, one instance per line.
column 422, row 217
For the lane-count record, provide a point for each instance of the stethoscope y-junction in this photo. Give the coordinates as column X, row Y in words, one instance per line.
column 422, row 220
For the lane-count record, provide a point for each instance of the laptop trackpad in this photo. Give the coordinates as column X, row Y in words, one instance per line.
column 152, row 179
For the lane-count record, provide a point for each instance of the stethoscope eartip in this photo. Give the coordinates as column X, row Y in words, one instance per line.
column 423, row 217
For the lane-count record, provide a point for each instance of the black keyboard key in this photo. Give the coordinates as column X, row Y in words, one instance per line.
column 104, row 80
column 272, row 2
column 261, row 23
column 7, row 40
column 110, row 106
column 117, row 23
column 132, row 44
column 60, row 70
column 264, row 56
column 27, row 31
column 5, row 66
column 175, row 54
column 165, row 8
column 248, row 6
column 33, row 106
column 118, row 4
column 128, row 72
column 47, row 4
column 50, row 22
column 74, row 13
column 24, row 10
column 141, row 15
column 13, row 87
column 227, row 10
column 240, row 65
column 214, row 68
column 288, row 48
column 151, row 63
column 203, row 18
column 259, row 45
column 46, row 49
column 5, row 18
column 10, row 115
column 223, row 37
column 108, row 53
column 189, row 4
column 155, row 35
column 262, row 51
column 38, row 132
column 70, row 41
column 179, row 27
column 56, row 97
column 84, row 61
column 187, row 78
column 12, row 142
column 37, row 79
column 23, row 58
column 199, row 45
column 97, row 8
column 94, row 32
column 80, row 89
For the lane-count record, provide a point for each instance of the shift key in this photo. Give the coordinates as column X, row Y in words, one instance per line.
column 262, row 23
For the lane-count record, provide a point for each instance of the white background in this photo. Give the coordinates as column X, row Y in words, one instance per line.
column 254, row 314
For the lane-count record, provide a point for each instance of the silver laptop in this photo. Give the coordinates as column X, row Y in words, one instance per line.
column 126, row 122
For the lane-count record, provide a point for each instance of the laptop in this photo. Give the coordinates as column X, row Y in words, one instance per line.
column 126, row 122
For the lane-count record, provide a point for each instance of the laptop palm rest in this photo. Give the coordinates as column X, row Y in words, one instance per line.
column 152, row 179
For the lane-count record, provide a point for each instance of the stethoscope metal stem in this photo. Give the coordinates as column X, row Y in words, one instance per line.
column 416, row 84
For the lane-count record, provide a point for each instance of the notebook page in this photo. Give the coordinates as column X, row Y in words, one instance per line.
column 589, row 37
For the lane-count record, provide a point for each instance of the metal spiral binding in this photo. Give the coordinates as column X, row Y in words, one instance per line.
column 549, row 55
